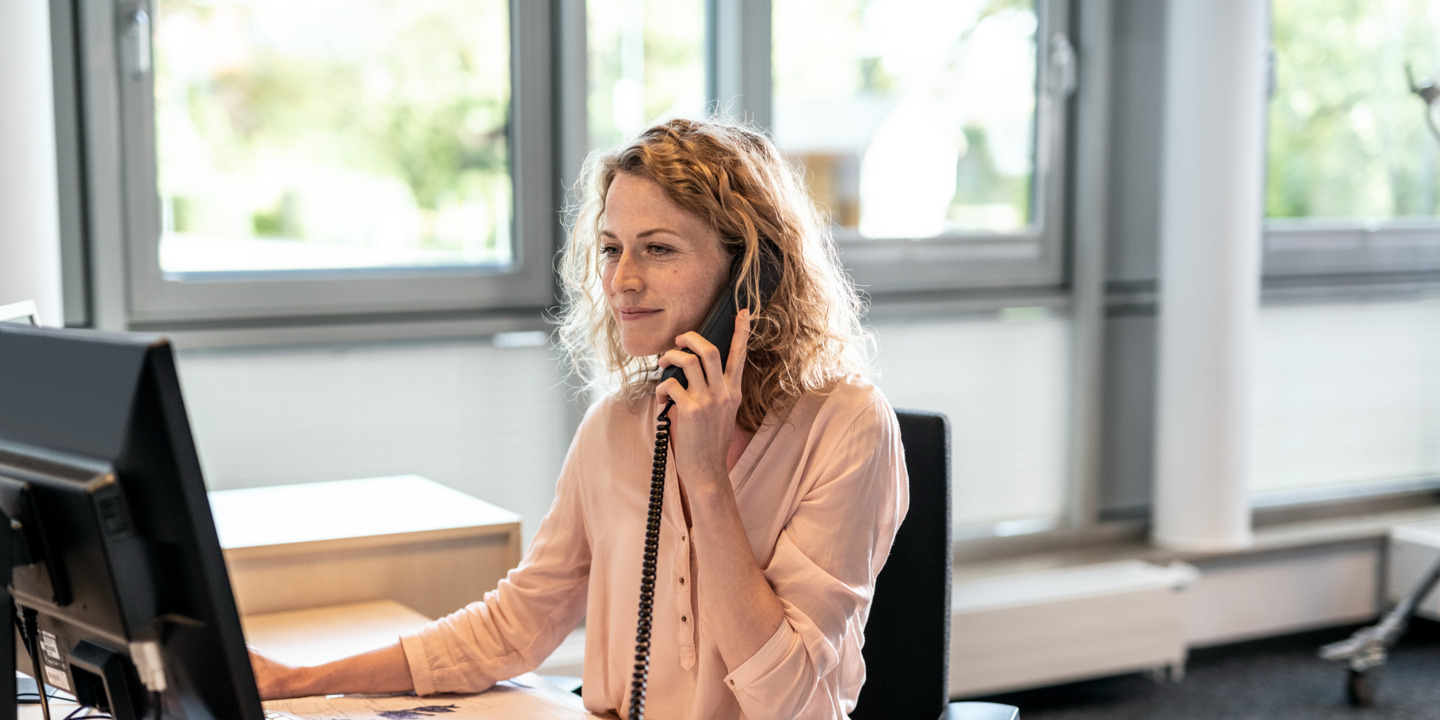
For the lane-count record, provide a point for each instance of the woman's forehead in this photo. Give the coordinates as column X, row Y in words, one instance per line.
column 635, row 203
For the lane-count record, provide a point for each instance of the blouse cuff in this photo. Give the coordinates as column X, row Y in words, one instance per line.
column 780, row 646
column 420, row 675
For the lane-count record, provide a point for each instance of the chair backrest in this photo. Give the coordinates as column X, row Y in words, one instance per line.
column 907, row 637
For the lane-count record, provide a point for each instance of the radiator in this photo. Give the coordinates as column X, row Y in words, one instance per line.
column 1060, row 625
column 1414, row 549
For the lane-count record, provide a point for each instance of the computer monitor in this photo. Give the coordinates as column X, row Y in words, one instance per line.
column 116, row 564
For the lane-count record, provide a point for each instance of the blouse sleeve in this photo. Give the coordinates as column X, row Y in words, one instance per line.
column 824, row 568
column 519, row 623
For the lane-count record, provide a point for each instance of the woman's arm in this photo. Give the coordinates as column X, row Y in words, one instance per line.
column 509, row 632
column 738, row 598
column 378, row 671
column 703, row 433
column 822, row 568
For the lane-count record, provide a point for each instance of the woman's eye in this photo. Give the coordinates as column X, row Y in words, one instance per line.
column 659, row 250
column 609, row 251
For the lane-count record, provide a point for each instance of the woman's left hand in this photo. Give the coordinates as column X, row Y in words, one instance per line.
column 703, row 419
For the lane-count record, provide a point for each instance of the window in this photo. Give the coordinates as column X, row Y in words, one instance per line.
column 945, row 131
column 306, row 137
column 299, row 164
column 1353, row 147
column 932, row 133
column 1344, row 403
column 646, row 62
column 261, row 172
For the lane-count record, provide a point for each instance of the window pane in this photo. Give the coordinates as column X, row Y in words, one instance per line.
column 1348, row 138
column 940, row 93
column 647, row 62
column 326, row 135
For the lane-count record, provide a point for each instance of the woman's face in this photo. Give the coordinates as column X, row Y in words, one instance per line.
column 662, row 266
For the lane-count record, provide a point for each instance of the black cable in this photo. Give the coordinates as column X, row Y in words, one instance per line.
column 31, row 635
column 647, row 570
column 79, row 714
column 33, row 698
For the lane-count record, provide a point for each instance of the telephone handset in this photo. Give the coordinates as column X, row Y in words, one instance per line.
column 718, row 327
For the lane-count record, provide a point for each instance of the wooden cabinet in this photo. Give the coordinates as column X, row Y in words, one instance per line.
column 407, row 539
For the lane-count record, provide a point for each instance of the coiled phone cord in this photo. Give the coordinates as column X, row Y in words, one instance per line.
column 647, row 571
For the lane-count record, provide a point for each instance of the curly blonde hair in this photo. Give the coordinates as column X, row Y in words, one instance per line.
column 802, row 340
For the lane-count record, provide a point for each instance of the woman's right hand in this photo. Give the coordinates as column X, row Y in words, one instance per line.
column 272, row 677
column 383, row 670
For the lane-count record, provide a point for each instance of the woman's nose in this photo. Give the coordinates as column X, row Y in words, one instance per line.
column 627, row 275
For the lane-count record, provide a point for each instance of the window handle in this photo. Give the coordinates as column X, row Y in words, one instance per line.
column 139, row 36
column 1062, row 65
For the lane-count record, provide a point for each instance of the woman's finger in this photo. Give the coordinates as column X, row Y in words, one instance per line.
column 693, row 366
column 706, row 352
column 672, row 390
column 739, row 348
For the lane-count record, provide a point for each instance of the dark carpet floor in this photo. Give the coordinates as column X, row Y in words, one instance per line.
column 1275, row 679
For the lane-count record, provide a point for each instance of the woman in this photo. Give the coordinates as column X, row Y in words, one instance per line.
column 785, row 479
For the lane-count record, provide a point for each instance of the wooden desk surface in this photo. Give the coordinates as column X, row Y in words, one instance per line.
column 308, row 637
column 316, row 635
column 320, row 634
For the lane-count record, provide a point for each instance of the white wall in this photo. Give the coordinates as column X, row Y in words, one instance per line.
column 1004, row 383
column 495, row 422
column 29, row 204
column 491, row 422
column 1347, row 393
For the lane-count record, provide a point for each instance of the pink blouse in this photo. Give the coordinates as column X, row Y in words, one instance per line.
column 821, row 493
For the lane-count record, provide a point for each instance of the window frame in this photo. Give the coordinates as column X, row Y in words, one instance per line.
column 1322, row 251
column 127, row 290
column 1022, row 261
column 120, row 200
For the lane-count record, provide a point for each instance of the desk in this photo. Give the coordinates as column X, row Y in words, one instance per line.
column 405, row 538
column 306, row 637
column 320, row 634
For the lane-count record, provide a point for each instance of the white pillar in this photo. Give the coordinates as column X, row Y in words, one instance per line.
column 29, row 200
column 1211, row 219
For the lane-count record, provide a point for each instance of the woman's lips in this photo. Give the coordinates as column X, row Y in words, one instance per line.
column 636, row 313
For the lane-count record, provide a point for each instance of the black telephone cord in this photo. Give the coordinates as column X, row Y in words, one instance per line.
column 647, row 571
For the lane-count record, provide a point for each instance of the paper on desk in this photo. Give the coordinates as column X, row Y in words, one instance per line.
column 507, row 700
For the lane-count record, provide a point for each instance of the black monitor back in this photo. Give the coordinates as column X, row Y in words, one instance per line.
column 97, row 459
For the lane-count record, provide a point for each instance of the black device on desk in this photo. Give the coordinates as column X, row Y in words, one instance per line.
column 118, row 581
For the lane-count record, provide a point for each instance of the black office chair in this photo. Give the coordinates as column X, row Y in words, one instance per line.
column 907, row 638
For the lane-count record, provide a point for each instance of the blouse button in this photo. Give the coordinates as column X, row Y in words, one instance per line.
column 684, row 619
column 682, row 581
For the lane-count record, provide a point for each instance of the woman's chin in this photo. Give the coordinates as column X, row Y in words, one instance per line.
column 644, row 347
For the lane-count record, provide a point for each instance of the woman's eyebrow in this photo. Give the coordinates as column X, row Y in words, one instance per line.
column 643, row 233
